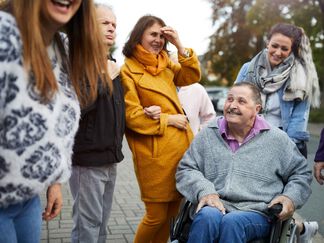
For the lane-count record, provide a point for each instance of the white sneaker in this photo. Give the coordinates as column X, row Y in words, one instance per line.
column 311, row 228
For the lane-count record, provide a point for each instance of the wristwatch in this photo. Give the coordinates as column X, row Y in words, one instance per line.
column 186, row 53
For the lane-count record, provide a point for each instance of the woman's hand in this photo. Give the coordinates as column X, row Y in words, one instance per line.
column 172, row 36
column 179, row 121
column 319, row 172
column 54, row 202
column 211, row 200
column 153, row 112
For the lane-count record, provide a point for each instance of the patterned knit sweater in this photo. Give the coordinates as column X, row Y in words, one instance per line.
column 36, row 139
column 266, row 166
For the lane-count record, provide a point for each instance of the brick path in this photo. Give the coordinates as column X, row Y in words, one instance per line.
column 126, row 213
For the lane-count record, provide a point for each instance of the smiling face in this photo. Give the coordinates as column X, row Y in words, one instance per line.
column 240, row 109
column 57, row 13
column 153, row 40
column 279, row 48
column 107, row 21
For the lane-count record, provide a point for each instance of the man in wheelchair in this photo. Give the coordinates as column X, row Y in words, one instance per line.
column 236, row 168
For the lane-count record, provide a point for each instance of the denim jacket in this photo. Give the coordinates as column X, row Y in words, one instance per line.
column 294, row 114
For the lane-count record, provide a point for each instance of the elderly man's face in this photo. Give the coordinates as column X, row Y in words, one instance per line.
column 240, row 108
column 107, row 20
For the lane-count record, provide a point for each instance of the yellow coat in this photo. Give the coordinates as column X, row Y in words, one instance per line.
column 156, row 147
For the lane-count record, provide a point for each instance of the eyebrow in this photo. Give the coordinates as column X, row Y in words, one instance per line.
column 155, row 32
column 277, row 44
column 106, row 19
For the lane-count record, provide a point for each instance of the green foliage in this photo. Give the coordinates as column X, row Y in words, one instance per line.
column 242, row 26
column 317, row 115
column 229, row 46
column 204, row 80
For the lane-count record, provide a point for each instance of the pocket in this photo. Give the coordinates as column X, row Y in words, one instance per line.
column 170, row 139
column 247, row 186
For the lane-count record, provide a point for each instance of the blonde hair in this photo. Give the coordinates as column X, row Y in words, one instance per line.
column 86, row 62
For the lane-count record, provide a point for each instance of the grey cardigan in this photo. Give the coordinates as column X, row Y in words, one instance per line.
column 261, row 169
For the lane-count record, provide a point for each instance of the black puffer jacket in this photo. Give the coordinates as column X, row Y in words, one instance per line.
column 101, row 128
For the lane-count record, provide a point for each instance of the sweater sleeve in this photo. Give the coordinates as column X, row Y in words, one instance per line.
column 297, row 176
column 190, row 180
column 296, row 124
column 188, row 72
column 136, row 120
column 10, row 58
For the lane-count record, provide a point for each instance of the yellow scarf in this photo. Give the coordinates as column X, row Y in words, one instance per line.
column 153, row 63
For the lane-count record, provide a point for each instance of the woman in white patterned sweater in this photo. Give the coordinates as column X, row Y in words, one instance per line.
column 41, row 85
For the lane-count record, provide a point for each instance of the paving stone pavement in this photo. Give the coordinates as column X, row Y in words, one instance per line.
column 127, row 208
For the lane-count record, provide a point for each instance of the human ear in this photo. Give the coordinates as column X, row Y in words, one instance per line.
column 258, row 108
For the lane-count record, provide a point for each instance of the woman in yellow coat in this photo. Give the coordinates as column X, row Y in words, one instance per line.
column 157, row 131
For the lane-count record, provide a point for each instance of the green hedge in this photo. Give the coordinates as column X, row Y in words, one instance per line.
column 317, row 115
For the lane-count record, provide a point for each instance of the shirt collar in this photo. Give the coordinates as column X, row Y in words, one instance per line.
column 260, row 124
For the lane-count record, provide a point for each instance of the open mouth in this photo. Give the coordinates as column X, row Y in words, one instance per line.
column 63, row 3
column 156, row 48
column 276, row 59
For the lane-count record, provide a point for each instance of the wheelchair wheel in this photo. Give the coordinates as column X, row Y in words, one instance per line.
column 290, row 232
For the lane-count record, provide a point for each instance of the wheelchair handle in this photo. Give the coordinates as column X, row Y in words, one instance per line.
column 274, row 211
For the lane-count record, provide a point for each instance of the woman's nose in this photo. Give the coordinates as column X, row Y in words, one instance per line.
column 278, row 52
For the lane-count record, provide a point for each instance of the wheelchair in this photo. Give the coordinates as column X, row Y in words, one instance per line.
column 281, row 232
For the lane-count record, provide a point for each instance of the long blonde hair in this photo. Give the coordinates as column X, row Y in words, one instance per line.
column 86, row 60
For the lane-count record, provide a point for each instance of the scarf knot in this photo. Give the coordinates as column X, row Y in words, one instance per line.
column 154, row 64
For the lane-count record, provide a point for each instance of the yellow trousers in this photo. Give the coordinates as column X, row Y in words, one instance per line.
column 155, row 225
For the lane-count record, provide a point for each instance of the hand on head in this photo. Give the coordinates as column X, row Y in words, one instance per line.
column 172, row 36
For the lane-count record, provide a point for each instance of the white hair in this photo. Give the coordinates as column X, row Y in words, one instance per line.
column 104, row 5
